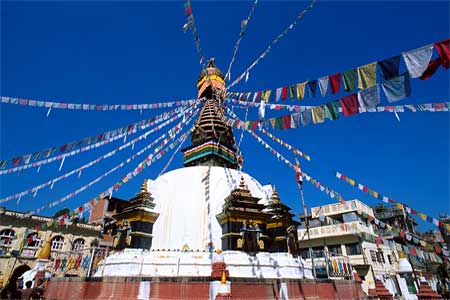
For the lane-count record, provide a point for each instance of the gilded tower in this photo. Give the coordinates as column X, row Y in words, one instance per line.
column 213, row 142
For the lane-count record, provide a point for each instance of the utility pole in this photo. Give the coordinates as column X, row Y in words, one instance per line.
column 305, row 212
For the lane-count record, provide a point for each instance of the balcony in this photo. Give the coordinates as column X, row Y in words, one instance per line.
column 341, row 208
column 352, row 228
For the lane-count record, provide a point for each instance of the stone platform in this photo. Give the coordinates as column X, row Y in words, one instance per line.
column 198, row 288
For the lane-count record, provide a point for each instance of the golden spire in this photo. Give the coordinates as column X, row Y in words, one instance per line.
column 144, row 187
column 275, row 198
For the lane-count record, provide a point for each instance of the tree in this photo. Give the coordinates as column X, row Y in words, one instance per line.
column 61, row 212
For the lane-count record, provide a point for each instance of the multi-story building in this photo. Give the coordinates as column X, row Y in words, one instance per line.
column 341, row 230
column 64, row 250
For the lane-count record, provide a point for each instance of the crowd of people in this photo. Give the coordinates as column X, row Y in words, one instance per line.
column 12, row 291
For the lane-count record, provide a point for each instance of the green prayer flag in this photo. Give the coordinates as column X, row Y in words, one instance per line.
column 332, row 110
column 292, row 91
column 349, row 80
column 279, row 123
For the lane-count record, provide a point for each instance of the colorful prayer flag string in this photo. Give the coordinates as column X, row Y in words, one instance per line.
column 87, row 143
column 386, row 199
column 95, row 161
column 332, row 111
column 274, row 41
column 418, row 64
column 156, row 154
column 93, row 107
column 191, row 25
column 244, row 25
column 316, row 183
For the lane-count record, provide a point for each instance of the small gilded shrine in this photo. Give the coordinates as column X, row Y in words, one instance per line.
column 134, row 226
column 243, row 222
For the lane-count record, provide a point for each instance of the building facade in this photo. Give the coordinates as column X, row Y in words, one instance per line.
column 63, row 250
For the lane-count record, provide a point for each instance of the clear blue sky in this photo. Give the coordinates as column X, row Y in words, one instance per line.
column 136, row 52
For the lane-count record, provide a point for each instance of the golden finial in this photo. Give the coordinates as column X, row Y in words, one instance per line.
column 144, row 187
column 275, row 198
column 224, row 279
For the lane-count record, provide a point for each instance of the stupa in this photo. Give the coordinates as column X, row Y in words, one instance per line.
column 207, row 205
column 206, row 230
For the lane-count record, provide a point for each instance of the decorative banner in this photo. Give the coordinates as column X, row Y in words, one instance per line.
column 308, row 178
column 279, row 141
column 283, row 143
column 386, row 199
column 156, row 152
column 244, row 25
column 331, row 111
column 191, row 25
column 245, row 104
column 145, row 163
column 417, row 62
column 104, row 136
column 95, row 161
column 96, row 107
column 274, row 41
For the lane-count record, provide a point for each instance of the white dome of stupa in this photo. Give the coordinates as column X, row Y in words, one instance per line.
column 182, row 200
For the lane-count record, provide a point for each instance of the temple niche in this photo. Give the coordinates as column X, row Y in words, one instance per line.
column 134, row 226
column 281, row 228
column 244, row 222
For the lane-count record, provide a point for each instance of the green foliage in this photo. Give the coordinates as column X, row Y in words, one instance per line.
column 61, row 212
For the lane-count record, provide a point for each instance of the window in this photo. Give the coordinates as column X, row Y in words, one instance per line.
column 6, row 237
column 318, row 252
column 335, row 250
column 390, row 259
column 78, row 244
column 57, row 243
column 373, row 256
column 304, row 253
column 353, row 249
column 380, row 257
column 33, row 240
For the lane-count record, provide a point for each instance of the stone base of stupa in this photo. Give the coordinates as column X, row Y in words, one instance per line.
column 198, row 288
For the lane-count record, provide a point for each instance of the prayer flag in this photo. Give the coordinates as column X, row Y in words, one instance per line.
column 278, row 94
column 397, row 88
column 349, row 105
column 286, row 122
column 306, row 117
column 443, row 49
column 3, row 164
column 16, row 161
column 295, row 120
column 390, row 66
column 266, row 95
column 335, row 83
column 318, row 114
column 301, row 90
column 292, row 92
column 312, row 88
column 332, row 110
column 349, row 80
column 367, row 75
column 278, row 123
column 284, row 92
column 417, row 60
column 323, row 85
column 370, row 97
column 431, row 69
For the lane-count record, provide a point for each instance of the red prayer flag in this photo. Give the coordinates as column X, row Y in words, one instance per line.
column 258, row 96
column 349, row 105
column 412, row 251
column 443, row 49
column 188, row 11
column 286, row 122
column 335, row 83
column 284, row 92
column 254, row 125
column 365, row 189
column 431, row 69
column 16, row 160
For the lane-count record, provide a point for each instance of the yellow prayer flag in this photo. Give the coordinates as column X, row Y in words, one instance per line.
column 375, row 194
column 367, row 75
column 272, row 122
column 423, row 217
column 301, row 90
column 351, row 181
column 399, row 206
column 318, row 114
column 267, row 95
